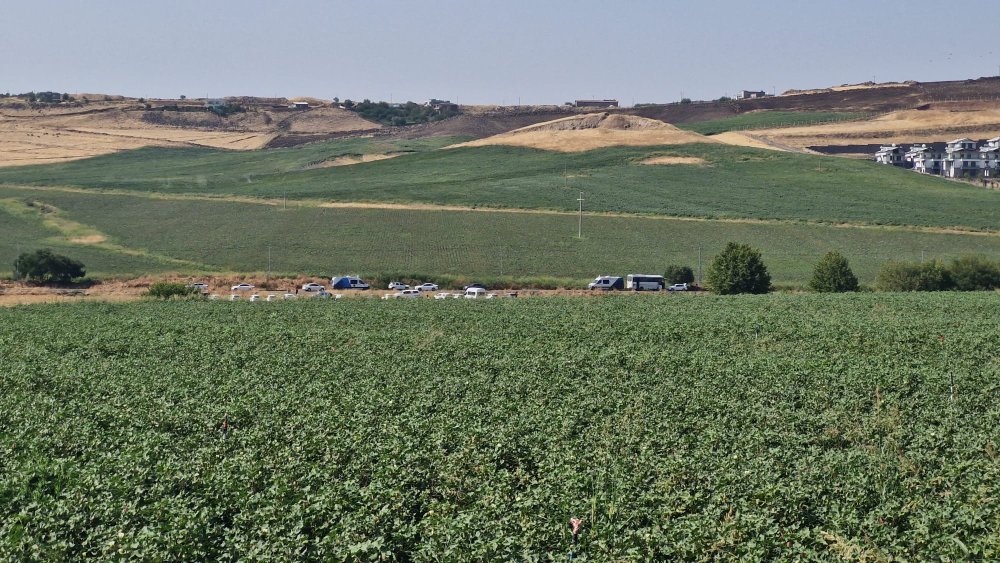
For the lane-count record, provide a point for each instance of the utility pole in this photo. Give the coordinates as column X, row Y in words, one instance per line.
column 699, row 265
column 579, row 225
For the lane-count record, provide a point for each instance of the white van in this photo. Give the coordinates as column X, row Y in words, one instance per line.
column 475, row 293
column 644, row 282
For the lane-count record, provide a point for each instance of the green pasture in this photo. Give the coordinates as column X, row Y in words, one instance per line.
column 736, row 182
column 769, row 120
column 228, row 236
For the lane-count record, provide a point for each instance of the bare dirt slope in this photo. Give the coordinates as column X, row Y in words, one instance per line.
column 592, row 131
column 34, row 134
column 932, row 123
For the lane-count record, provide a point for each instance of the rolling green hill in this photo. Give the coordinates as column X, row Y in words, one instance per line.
column 735, row 182
column 305, row 238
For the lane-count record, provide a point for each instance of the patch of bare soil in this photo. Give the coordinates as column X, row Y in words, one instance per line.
column 348, row 160
column 669, row 160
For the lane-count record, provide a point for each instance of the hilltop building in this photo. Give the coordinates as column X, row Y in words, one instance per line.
column 298, row 105
column 596, row 103
column 441, row 105
column 751, row 94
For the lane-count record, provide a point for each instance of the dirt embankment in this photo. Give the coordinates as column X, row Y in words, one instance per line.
column 592, row 131
column 33, row 135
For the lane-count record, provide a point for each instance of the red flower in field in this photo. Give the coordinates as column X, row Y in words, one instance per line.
column 575, row 523
column 941, row 337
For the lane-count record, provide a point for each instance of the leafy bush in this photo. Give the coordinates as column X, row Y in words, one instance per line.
column 685, row 100
column 401, row 114
column 166, row 290
column 738, row 269
column 914, row 276
column 974, row 273
column 678, row 274
column 833, row 275
column 46, row 266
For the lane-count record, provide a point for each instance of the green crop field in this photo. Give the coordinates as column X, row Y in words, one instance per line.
column 735, row 182
column 224, row 236
column 769, row 120
column 681, row 427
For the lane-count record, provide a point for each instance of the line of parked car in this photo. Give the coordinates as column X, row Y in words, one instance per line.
column 634, row 282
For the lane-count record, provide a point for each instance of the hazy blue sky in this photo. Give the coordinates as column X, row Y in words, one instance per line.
column 487, row 51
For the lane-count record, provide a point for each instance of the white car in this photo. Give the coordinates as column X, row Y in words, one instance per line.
column 242, row 287
column 200, row 286
column 313, row 287
column 271, row 297
column 398, row 285
column 427, row 287
column 405, row 294
column 234, row 297
column 288, row 296
column 476, row 293
column 678, row 287
column 442, row 295
column 255, row 297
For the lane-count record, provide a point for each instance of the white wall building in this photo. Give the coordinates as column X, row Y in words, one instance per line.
column 925, row 159
column 962, row 159
column 990, row 154
column 890, row 154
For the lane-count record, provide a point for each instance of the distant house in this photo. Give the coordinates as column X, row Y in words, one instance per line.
column 990, row 154
column 751, row 94
column 215, row 103
column 298, row 105
column 441, row 105
column 962, row 159
column 926, row 159
column 891, row 154
column 596, row 103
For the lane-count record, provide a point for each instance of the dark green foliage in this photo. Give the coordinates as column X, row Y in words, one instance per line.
column 678, row 274
column 931, row 275
column 43, row 265
column 402, row 114
column 833, row 275
column 738, row 269
column 975, row 273
column 777, row 428
column 166, row 290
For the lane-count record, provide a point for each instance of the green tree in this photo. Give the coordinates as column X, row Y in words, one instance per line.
column 914, row 276
column 678, row 274
column 166, row 290
column 738, row 269
column 833, row 275
column 974, row 273
column 46, row 266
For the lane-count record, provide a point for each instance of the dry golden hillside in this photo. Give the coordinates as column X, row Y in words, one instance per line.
column 33, row 135
column 592, row 131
